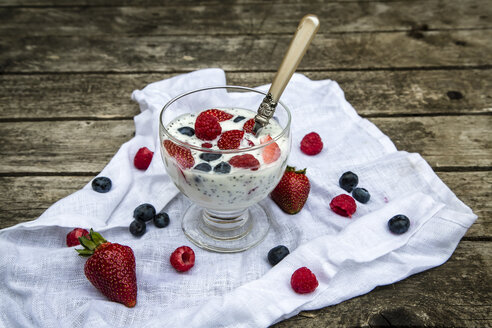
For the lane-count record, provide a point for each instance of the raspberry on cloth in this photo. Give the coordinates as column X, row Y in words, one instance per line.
column 348, row 257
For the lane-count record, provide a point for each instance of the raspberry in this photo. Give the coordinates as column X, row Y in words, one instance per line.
column 248, row 125
column 303, row 281
column 246, row 161
column 220, row 114
column 230, row 139
column 183, row 258
column 207, row 127
column 343, row 205
column 143, row 158
column 182, row 155
column 311, row 144
column 73, row 236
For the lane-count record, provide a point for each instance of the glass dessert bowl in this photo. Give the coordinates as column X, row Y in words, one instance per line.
column 215, row 160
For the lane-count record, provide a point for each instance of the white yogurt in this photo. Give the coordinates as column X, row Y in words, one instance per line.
column 240, row 187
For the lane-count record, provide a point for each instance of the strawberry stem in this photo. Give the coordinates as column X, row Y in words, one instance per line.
column 293, row 169
column 90, row 244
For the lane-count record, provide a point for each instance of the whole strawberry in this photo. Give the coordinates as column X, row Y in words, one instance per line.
column 292, row 191
column 110, row 268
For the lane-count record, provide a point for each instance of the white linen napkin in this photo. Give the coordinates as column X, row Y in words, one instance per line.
column 42, row 280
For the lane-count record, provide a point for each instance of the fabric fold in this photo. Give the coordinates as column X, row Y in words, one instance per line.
column 350, row 257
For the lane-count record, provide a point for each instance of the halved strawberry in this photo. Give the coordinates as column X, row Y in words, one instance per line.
column 220, row 114
column 230, row 139
column 248, row 125
column 182, row 155
column 271, row 152
column 246, row 161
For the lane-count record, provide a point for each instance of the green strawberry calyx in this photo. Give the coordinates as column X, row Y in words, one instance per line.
column 90, row 244
column 293, row 169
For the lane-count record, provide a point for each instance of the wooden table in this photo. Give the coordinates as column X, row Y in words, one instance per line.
column 420, row 70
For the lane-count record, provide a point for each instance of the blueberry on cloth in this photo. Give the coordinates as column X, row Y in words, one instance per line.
column 348, row 181
column 209, row 157
column 161, row 220
column 277, row 254
column 101, row 184
column 205, row 167
column 137, row 228
column 361, row 195
column 144, row 212
column 239, row 119
column 186, row 130
column 399, row 224
column 222, row 167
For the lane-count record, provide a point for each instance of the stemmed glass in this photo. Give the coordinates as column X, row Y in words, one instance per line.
column 227, row 213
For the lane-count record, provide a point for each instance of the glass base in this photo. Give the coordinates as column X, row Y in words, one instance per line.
column 226, row 232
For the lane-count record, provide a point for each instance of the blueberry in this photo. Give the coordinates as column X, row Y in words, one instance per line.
column 399, row 224
column 161, row 220
column 186, row 130
column 222, row 167
column 277, row 254
column 239, row 119
column 209, row 156
column 361, row 194
column 348, row 181
column 137, row 228
column 144, row 212
column 101, row 184
column 205, row 167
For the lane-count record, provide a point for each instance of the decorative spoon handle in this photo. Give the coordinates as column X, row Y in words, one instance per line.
column 306, row 30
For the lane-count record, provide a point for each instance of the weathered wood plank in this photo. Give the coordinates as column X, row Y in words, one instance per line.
column 244, row 53
column 455, row 294
column 372, row 93
column 118, row 3
column 443, row 141
column 24, row 198
column 253, row 18
column 86, row 146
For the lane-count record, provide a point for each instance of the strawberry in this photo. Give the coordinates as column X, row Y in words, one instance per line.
column 73, row 236
column 110, row 268
column 207, row 127
column 292, row 191
column 230, row 139
column 181, row 154
column 271, row 152
column 248, row 125
column 220, row 114
column 142, row 159
column 246, row 161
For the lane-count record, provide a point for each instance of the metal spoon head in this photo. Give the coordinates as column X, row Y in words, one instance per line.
column 265, row 113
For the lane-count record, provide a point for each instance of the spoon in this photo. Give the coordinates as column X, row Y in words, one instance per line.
column 308, row 26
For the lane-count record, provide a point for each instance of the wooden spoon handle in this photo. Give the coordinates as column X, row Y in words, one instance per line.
column 306, row 30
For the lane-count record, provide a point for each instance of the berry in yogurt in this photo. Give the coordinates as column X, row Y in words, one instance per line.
column 223, row 165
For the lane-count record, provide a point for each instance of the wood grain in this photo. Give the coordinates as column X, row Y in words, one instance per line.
column 86, row 146
column 360, row 51
column 372, row 93
column 250, row 18
column 24, row 198
column 419, row 300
